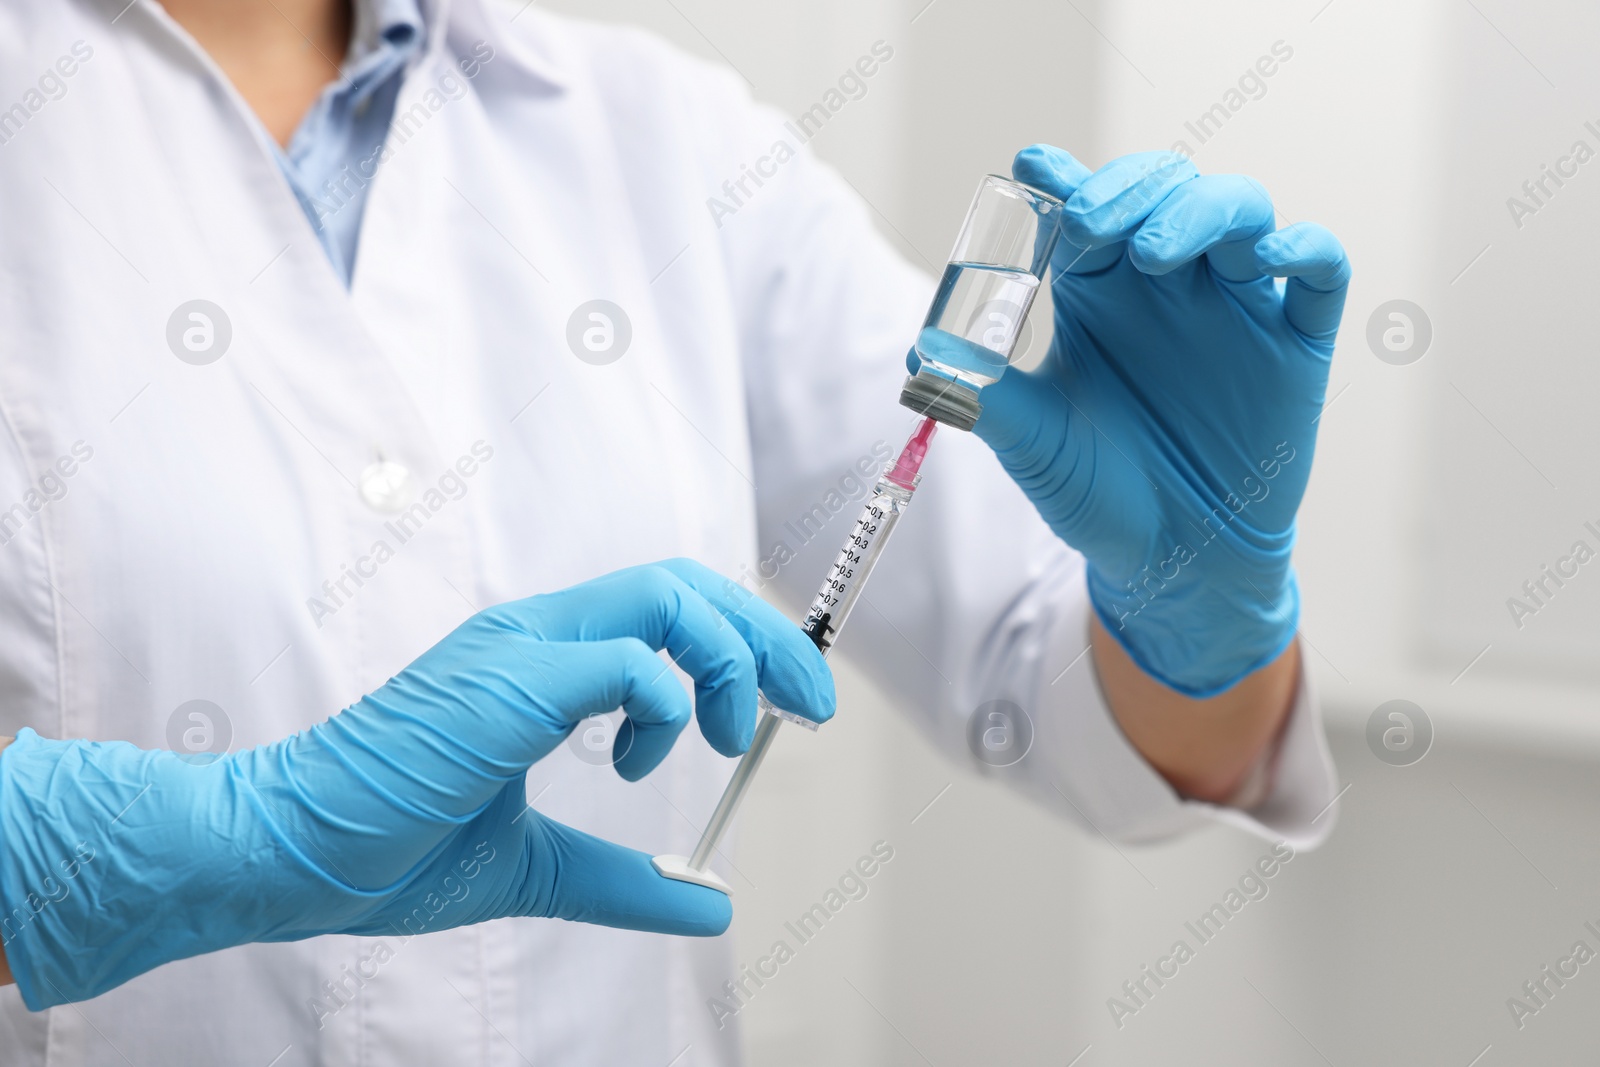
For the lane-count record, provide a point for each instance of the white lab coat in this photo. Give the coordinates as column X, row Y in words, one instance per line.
column 177, row 561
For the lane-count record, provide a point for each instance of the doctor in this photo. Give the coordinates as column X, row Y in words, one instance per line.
column 298, row 406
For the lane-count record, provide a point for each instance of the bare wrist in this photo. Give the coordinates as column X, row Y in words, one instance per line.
column 1206, row 749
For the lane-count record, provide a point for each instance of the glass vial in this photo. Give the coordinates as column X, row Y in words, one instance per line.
column 971, row 330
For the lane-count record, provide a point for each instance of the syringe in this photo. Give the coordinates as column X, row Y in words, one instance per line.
column 967, row 341
column 838, row 595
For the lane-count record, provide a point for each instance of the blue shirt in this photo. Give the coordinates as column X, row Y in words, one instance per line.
column 333, row 156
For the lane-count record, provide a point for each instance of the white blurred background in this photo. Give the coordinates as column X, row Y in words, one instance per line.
column 997, row 934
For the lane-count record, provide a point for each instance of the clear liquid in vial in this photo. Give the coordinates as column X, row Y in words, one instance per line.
column 975, row 319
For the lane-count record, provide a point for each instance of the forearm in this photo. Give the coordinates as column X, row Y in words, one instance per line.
column 5, row 969
column 1204, row 748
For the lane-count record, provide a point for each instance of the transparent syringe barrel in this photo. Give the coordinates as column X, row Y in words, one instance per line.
column 848, row 576
column 841, row 588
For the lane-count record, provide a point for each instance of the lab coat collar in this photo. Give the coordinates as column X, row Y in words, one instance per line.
column 491, row 20
column 467, row 21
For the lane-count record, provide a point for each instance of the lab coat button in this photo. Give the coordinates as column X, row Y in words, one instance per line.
column 386, row 486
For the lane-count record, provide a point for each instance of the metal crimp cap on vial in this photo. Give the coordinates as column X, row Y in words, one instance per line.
column 945, row 400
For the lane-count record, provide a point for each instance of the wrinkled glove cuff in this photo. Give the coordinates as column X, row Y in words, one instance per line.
column 1200, row 638
column 99, row 846
column 42, row 859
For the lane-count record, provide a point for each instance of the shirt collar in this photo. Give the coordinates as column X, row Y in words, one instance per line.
column 385, row 24
column 387, row 35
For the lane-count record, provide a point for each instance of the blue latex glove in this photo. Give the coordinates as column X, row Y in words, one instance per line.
column 1168, row 434
column 404, row 813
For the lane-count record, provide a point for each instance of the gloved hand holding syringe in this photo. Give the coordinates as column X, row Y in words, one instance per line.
column 966, row 343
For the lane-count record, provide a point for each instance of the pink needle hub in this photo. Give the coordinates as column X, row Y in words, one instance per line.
column 904, row 472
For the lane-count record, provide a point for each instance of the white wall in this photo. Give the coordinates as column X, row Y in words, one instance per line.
column 1403, row 127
